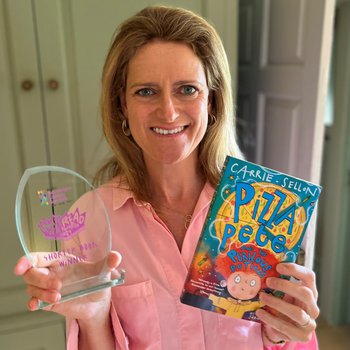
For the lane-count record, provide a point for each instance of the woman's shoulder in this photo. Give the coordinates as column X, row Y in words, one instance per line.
column 117, row 183
column 115, row 192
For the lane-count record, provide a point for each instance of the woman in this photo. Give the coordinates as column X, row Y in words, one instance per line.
column 168, row 117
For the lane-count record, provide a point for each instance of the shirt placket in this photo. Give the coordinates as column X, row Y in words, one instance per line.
column 189, row 319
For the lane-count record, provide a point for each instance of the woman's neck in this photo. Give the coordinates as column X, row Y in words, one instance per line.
column 175, row 190
column 175, row 183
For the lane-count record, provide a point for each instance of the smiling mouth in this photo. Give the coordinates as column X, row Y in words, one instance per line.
column 174, row 131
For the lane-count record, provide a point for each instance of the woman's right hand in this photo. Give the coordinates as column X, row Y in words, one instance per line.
column 43, row 284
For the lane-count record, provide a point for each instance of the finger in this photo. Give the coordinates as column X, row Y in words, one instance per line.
column 288, row 329
column 47, row 296
column 22, row 266
column 33, row 304
column 114, row 260
column 44, row 259
column 42, row 278
column 274, row 334
column 293, row 312
column 299, row 292
column 302, row 273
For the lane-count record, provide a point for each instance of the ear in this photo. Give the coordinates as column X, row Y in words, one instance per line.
column 210, row 97
column 123, row 105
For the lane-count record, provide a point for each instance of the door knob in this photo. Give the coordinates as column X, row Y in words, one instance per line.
column 53, row 84
column 27, row 85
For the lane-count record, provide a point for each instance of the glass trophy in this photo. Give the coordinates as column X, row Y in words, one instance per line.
column 62, row 220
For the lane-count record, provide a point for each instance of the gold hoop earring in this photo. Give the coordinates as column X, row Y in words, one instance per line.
column 125, row 128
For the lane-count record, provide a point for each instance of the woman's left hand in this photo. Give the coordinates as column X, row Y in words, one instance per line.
column 291, row 318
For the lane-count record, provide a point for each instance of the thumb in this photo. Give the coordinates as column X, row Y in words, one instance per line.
column 37, row 259
column 114, row 259
column 22, row 266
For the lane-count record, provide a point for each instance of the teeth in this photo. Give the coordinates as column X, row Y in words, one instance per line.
column 168, row 132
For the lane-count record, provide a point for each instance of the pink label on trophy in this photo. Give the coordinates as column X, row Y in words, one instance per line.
column 53, row 197
column 71, row 255
column 63, row 226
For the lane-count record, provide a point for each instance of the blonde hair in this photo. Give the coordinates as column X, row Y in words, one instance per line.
column 177, row 25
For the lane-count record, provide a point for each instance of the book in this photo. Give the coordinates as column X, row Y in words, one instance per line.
column 257, row 219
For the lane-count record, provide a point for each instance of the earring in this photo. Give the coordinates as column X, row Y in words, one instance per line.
column 125, row 128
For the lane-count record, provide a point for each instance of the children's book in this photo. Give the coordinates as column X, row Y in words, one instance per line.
column 257, row 219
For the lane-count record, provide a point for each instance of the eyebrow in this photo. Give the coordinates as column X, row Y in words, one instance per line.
column 143, row 84
column 179, row 82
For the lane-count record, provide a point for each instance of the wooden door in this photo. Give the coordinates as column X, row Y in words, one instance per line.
column 284, row 60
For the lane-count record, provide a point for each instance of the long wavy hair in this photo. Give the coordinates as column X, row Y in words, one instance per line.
column 175, row 25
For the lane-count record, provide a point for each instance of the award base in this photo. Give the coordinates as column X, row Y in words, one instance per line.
column 85, row 287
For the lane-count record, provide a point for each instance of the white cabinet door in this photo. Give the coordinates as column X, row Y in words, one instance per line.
column 51, row 57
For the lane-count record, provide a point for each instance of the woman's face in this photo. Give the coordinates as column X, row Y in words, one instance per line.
column 166, row 101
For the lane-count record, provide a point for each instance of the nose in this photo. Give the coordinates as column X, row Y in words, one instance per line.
column 168, row 110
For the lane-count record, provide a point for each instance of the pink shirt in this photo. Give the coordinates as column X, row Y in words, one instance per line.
column 146, row 311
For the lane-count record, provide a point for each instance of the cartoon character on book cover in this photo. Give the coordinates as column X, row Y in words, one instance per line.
column 257, row 219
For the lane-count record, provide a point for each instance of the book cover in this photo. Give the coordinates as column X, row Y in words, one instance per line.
column 257, row 218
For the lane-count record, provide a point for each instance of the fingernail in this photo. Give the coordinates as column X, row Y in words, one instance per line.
column 57, row 297
column 120, row 258
column 282, row 268
column 259, row 313
column 269, row 282
column 33, row 304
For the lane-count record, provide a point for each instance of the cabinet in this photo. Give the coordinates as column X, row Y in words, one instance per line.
column 41, row 330
column 51, row 57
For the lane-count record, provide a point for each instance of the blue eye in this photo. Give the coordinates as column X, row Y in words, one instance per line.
column 144, row 92
column 188, row 90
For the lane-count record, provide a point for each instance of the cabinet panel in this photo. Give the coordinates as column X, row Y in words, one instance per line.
column 16, row 149
column 57, row 78
column 21, row 56
column 290, row 16
column 49, row 337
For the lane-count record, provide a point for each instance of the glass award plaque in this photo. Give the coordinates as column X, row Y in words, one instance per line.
column 61, row 218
